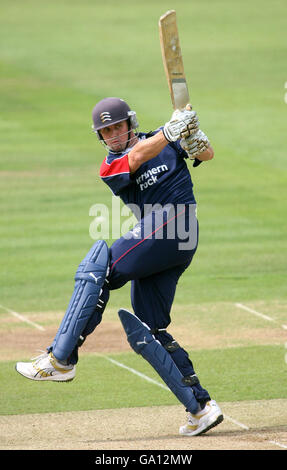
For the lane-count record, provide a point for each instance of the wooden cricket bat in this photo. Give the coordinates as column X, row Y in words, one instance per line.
column 172, row 60
column 173, row 63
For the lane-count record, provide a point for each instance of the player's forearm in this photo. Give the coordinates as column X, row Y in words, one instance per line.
column 145, row 150
column 208, row 154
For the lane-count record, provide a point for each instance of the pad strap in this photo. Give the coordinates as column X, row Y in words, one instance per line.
column 172, row 346
column 190, row 380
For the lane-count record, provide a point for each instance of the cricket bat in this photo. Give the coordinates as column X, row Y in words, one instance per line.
column 173, row 63
column 172, row 60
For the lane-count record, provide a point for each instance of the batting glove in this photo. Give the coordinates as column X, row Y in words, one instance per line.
column 195, row 144
column 182, row 124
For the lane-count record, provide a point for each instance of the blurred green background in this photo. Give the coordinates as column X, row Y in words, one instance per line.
column 59, row 58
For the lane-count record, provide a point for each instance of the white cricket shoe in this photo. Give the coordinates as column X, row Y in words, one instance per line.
column 205, row 419
column 46, row 367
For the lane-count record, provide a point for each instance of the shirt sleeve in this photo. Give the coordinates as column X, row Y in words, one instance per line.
column 116, row 174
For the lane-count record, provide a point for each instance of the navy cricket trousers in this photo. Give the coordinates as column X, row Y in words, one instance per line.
column 153, row 256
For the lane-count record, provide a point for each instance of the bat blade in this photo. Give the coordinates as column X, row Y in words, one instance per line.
column 172, row 60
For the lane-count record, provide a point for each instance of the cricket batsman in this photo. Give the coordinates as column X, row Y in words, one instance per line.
column 149, row 172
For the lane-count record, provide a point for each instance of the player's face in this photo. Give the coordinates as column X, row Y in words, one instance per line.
column 116, row 136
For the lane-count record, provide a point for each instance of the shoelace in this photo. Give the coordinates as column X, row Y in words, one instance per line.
column 41, row 356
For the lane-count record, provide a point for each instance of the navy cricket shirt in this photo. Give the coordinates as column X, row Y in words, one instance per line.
column 165, row 179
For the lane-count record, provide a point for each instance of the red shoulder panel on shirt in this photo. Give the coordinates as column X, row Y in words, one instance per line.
column 116, row 167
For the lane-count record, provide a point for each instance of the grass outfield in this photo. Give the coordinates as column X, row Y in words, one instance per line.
column 56, row 60
column 233, row 351
column 101, row 384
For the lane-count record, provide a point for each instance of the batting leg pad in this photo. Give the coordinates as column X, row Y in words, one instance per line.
column 143, row 342
column 90, row 277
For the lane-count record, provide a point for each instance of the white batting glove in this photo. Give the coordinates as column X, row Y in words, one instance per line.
column 195, row 144
column 182, row 124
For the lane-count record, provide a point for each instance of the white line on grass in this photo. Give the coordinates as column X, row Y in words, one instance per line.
column 22, row 318
column 278, row 444
column 133, row 371
column 145, row 377
column 261, row 315
column 241, row 425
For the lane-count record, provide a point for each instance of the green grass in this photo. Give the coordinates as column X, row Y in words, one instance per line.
column 60, row 58
column 102, row 385
column 57, row 59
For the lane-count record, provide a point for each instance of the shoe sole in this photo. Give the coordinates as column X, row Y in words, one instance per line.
column 218, row 420
column 44, row 379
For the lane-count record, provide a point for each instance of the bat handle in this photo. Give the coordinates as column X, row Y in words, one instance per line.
column 196, row 162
